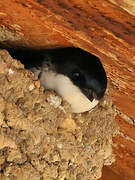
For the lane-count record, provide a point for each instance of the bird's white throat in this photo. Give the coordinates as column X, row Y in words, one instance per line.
column 65, row 88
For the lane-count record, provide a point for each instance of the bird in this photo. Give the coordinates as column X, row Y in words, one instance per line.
column 76, row 75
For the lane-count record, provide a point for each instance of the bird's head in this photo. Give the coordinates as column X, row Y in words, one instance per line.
column 84, row 70
column 76, row 75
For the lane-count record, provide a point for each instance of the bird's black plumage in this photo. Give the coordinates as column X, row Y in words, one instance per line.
column 84, row 69
column 75, row 61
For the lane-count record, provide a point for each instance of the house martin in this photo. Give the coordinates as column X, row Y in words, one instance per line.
column 76, row 75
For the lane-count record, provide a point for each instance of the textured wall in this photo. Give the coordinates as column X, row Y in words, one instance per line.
column 105, row 28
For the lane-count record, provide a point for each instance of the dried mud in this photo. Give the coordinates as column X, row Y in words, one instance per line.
column 40, row 139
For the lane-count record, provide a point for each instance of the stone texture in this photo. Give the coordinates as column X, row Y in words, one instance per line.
column 104, row 28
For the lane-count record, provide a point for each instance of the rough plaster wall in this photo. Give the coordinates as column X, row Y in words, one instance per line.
column 39, row 136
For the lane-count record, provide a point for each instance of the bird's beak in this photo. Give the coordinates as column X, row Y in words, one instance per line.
column 90, row 94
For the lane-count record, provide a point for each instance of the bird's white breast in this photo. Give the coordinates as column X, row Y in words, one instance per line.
column 71, row 93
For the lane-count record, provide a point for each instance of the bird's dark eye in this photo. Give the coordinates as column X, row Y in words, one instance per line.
column 76, row 75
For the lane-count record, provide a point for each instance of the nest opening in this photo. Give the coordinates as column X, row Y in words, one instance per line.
column 39, row 135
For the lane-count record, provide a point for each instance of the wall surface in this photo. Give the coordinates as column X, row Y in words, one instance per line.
column 104, row 28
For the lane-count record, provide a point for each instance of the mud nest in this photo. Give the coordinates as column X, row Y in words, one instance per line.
column 40, row 138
